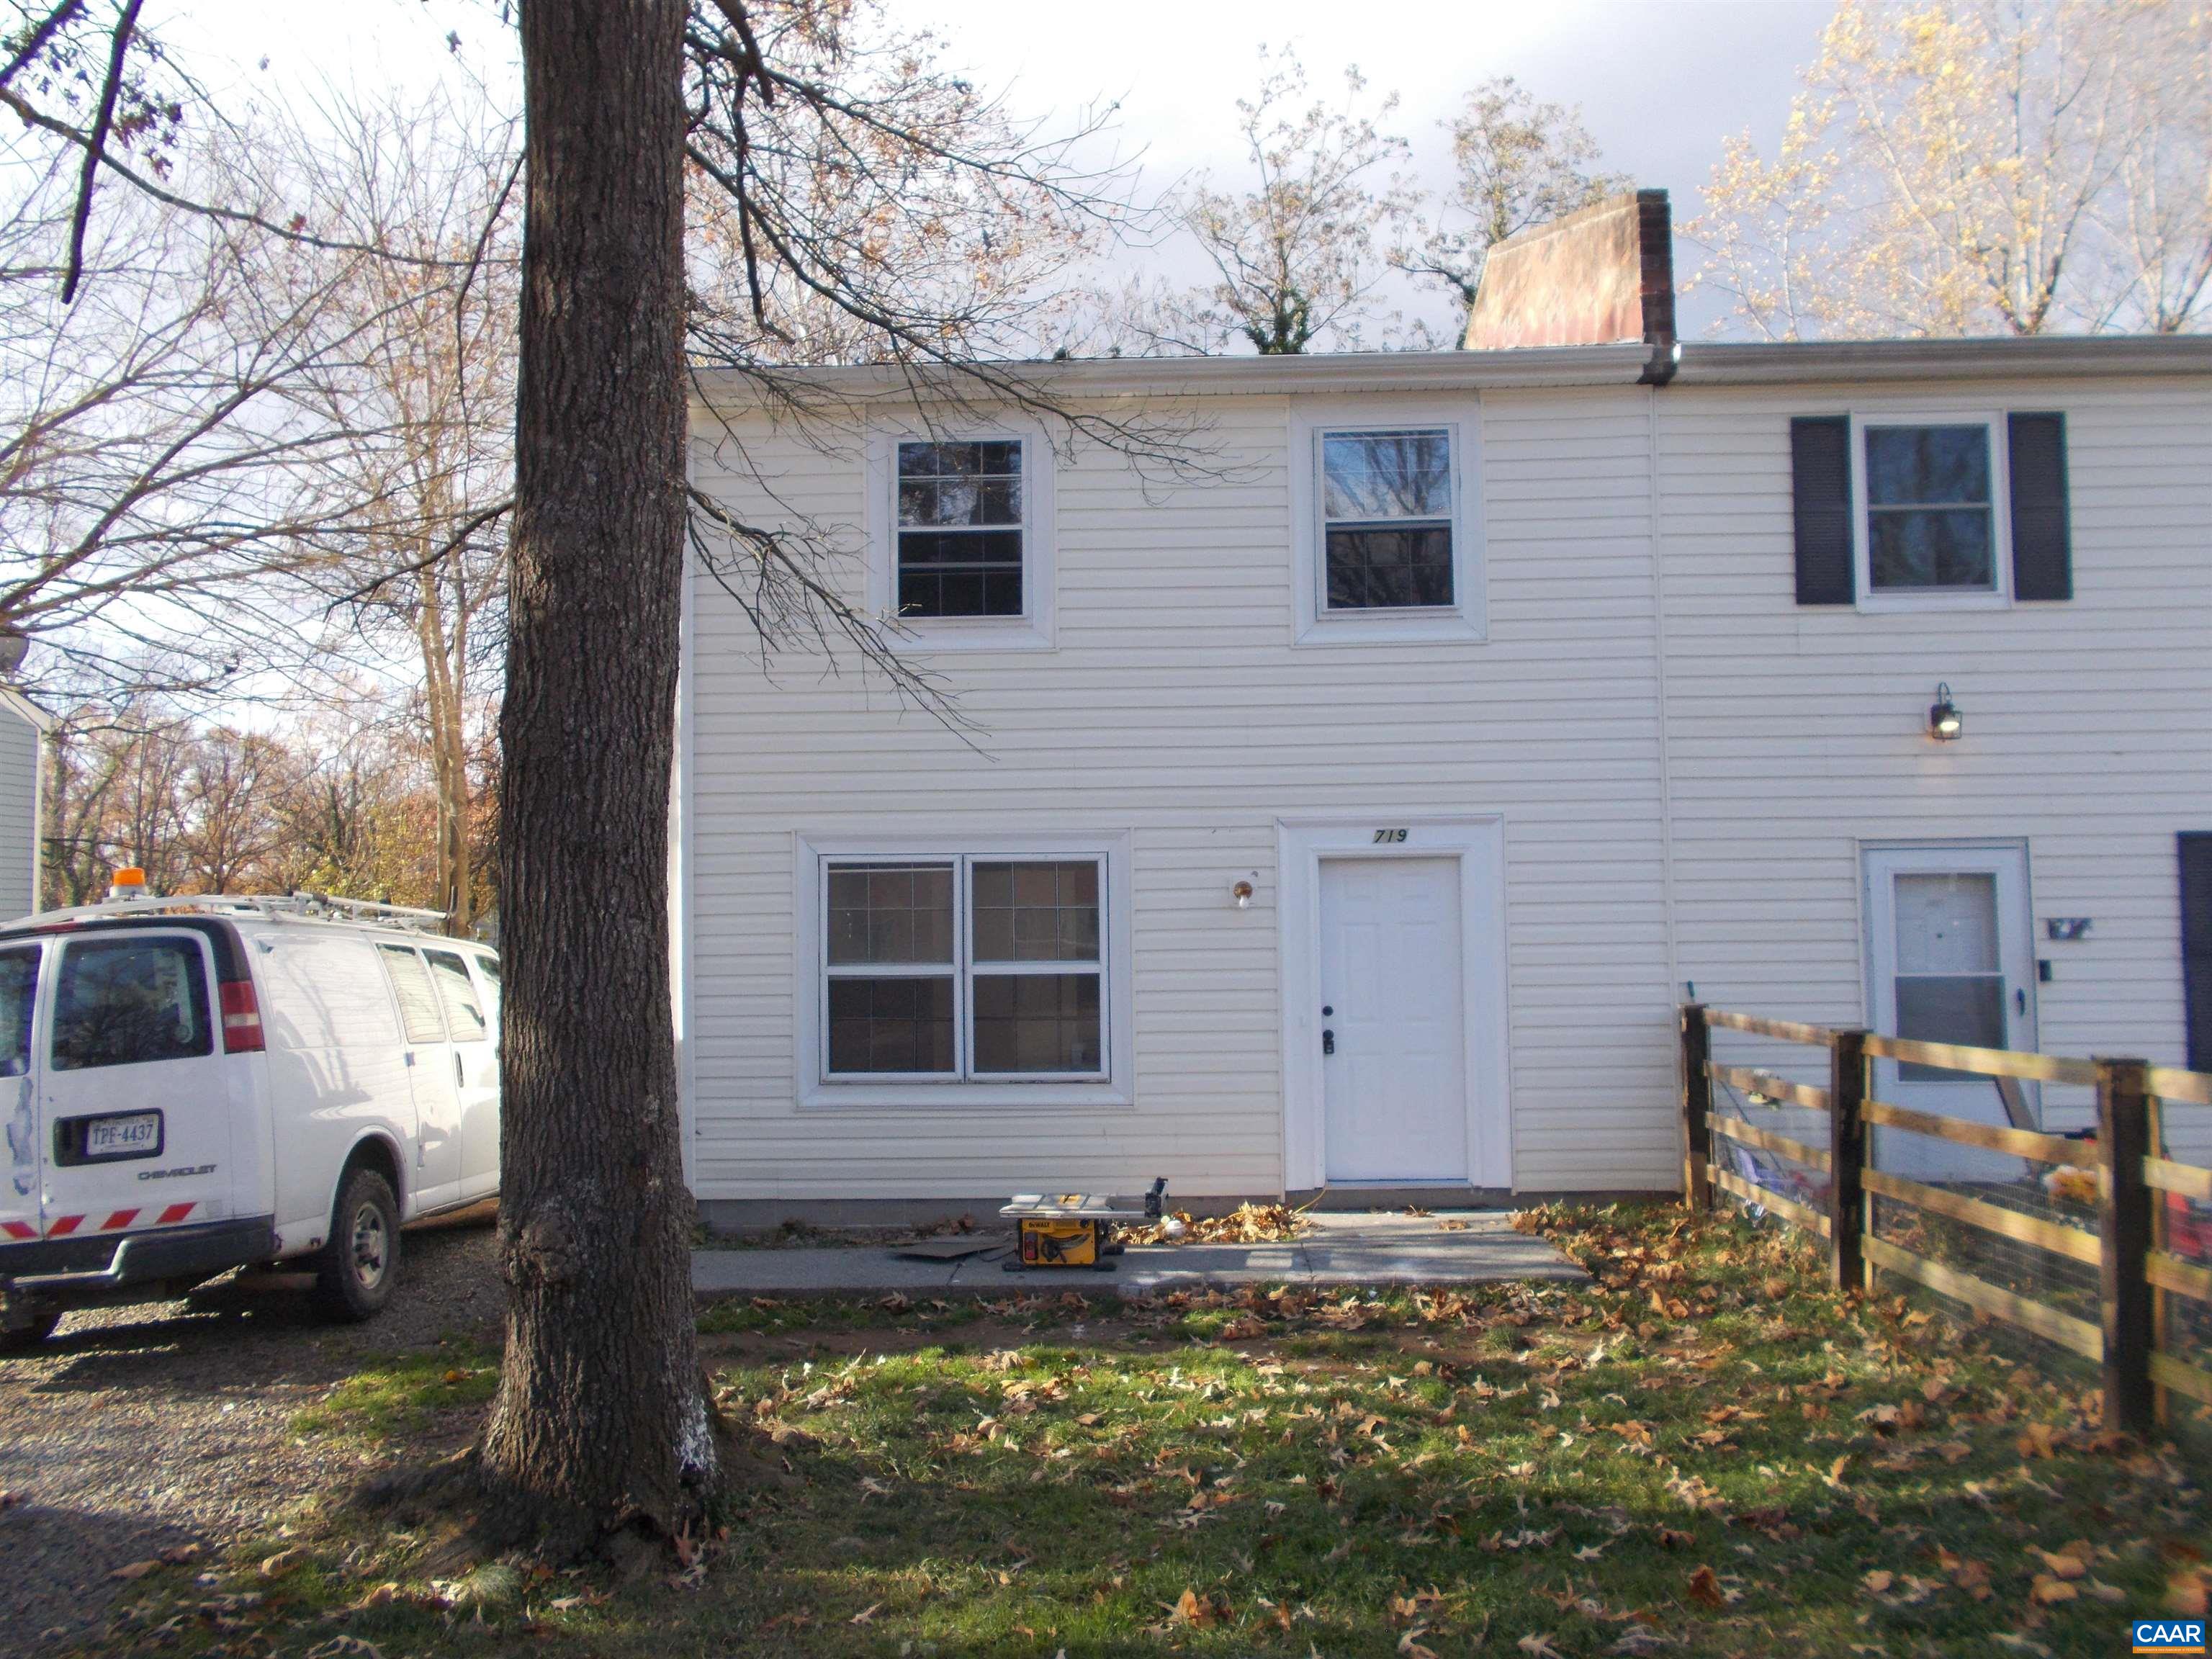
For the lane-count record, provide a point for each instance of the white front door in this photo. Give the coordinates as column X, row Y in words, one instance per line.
column 1393, row 1045
column 1952, row 962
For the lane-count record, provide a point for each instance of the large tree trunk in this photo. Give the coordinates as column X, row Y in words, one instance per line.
column 602, row 1420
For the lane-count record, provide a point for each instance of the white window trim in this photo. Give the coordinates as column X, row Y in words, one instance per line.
column 1113, row 1088
column 1034, row 629
column 1468, row 618
column 1993, row 598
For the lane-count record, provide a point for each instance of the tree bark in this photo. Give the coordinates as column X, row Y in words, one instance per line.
column 602, row 1421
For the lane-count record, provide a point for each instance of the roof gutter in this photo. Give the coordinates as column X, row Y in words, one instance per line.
column 1619, row 364
column 1812, row 363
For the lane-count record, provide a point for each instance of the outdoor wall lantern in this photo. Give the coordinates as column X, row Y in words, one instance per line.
column 1945, row 722
column 1241, row 891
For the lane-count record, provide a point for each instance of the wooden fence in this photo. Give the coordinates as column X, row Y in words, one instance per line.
column 2135, row 1272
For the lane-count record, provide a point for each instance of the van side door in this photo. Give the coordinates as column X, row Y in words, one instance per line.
column 20, row 1221
column 135, row 1125
column 429, row 1057
column 475, row 1070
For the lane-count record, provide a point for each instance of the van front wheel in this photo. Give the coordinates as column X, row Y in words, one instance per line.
column 355, row 1273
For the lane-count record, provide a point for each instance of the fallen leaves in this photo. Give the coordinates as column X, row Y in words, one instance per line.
column 2070, row 1563
column 2188, row 1593
column 1196, row 1612
column 1971, row 1577
column 1704, row 1589
column 1248, row 1224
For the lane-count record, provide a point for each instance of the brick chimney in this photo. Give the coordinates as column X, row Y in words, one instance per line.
column 1600, row 276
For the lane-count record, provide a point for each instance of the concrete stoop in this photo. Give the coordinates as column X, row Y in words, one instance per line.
column 1338, row 1249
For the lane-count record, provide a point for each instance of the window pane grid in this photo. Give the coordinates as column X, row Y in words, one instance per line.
column 960, row 529
column 1040, row 1014
column 1386, row 521
column 1931, row 507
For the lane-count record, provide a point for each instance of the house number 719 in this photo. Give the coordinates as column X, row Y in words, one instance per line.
column 1389, row 836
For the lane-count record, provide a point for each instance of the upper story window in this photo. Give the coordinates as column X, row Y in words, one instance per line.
column 1385, row 526
column 1387, row 519
column 1931, row 523
column 1906, row 508
column 961, row 532
column 960, row 529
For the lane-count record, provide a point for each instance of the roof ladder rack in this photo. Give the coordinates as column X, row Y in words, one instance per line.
column 305, row 906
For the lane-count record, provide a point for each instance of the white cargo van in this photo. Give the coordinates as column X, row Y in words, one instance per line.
column 190, row 1085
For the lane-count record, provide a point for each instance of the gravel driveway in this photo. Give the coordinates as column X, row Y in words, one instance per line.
column 140, row 1429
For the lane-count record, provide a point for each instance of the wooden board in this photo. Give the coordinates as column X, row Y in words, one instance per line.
column 949, row 1249
column 1751, row 1134
column 2055, row 1237
column 2064, row 1330
column 1804, row 1214
column 1986, row 1062
column 2021, row 1143
column 1773, row 1087
column 2168, row 1083
column 2170, row 1273
column 2181, row 1376
column 2165, row 1176
column 1787, row 1030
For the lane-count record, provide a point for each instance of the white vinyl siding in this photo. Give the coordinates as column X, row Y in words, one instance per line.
column 1177, row 710
column 19, row 808
column 1798, row 733
column 1180, row 713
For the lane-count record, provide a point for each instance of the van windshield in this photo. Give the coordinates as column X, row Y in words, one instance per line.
column 123, row 1002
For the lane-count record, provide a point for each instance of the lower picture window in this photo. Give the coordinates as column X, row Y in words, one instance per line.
column 964, row 968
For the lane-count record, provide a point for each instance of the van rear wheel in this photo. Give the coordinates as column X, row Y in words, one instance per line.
column 357, row 1268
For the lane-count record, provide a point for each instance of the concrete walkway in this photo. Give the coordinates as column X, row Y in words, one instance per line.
column 1337, row 1249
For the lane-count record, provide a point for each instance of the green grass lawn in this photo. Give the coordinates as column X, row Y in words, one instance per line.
column 1702, row 1453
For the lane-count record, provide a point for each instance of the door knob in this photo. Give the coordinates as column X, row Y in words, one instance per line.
column 1329, row 1043
column 2020, row 999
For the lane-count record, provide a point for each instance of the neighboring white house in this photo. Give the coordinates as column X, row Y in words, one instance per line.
column 23, row 728
column 1357, row 808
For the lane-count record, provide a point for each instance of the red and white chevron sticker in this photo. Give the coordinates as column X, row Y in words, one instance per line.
column 63, row 1226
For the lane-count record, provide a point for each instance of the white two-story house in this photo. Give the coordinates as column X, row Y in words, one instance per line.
column 1353, row 810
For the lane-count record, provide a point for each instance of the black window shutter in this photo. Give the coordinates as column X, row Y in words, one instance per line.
column 1820, row 483
column 2196, row 944
column 2042, row 547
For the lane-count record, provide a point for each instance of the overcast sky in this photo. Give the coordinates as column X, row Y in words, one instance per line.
column 1661, row 83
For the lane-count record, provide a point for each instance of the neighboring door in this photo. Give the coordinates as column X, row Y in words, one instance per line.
column 134, row 1103
column 1952, row 962
column 475, row 1070
column 429, row 1056
column 1393, row 1060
